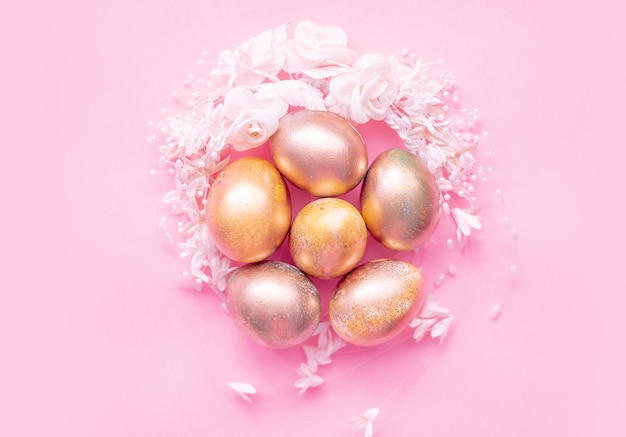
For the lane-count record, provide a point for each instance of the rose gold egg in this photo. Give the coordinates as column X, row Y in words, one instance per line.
column 273, row 303
column 319, row 152
column 248, row 211
column 327, row 238
column 400, row 200
column 376, row 301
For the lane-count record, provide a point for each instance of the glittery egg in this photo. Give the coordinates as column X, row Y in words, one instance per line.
column 273, row 303
column 400, row 200
column 376, row 301
column 319, row 152
column 248, row 210
column 327, row 238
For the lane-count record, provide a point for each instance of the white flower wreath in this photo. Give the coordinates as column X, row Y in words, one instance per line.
column 253, row 86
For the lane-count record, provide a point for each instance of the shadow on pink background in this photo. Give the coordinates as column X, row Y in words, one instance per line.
column 102, row 337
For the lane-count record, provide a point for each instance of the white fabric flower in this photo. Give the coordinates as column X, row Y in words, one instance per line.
column 365, row 93
column 318, row 52
column 253, row 117
column 257, row 59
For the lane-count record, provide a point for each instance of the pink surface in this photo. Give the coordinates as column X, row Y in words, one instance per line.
column 100, row 336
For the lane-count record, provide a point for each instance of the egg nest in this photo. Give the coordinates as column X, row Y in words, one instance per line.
column 234, row 107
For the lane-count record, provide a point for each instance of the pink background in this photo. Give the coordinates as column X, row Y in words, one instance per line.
column 101, row 337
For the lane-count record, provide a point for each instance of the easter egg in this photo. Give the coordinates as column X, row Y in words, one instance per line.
column 327, row 238
column 273, row 303
column 376, row 301
column 248, row 210
column 319, row 152
column 400, row 200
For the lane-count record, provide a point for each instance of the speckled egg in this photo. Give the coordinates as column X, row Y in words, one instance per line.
column 376, row 301
column 327, row 238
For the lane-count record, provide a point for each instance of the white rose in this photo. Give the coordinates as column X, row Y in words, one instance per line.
column 365, row 93
column 318, row 51
column 253, row 117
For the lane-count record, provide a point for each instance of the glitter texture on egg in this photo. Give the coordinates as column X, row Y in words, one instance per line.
column 376, row 301
column 327, row 238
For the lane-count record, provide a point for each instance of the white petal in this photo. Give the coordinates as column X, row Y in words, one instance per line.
column 270, row 99
column 422, row 329
column 308, row 379
column 369, row 429
column 171, row 196
column 312, row 357
column 297, row 93
column 341, row 87
column 323, row 72
column 440, row 329
column 304, row 370
column 265, row 54
column 436, row 154
column 237, row 100
column 335, row 344
column 466, row 221
column 243, row 389
column 371, row 414
column 215, row 115
column 357, row 113
column 432, row 309
column 279, row 49
column 359, row 423
column 365, row 421
column 323, row 333
column 428, row 125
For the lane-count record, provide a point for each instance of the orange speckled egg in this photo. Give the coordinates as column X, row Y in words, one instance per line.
column 327, row 238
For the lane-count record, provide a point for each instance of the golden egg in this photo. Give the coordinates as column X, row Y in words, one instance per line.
column 319, row 152
column 273, row 303
column 376, row 301
column 248, row 210
column 327, row 238
column 400, row 200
